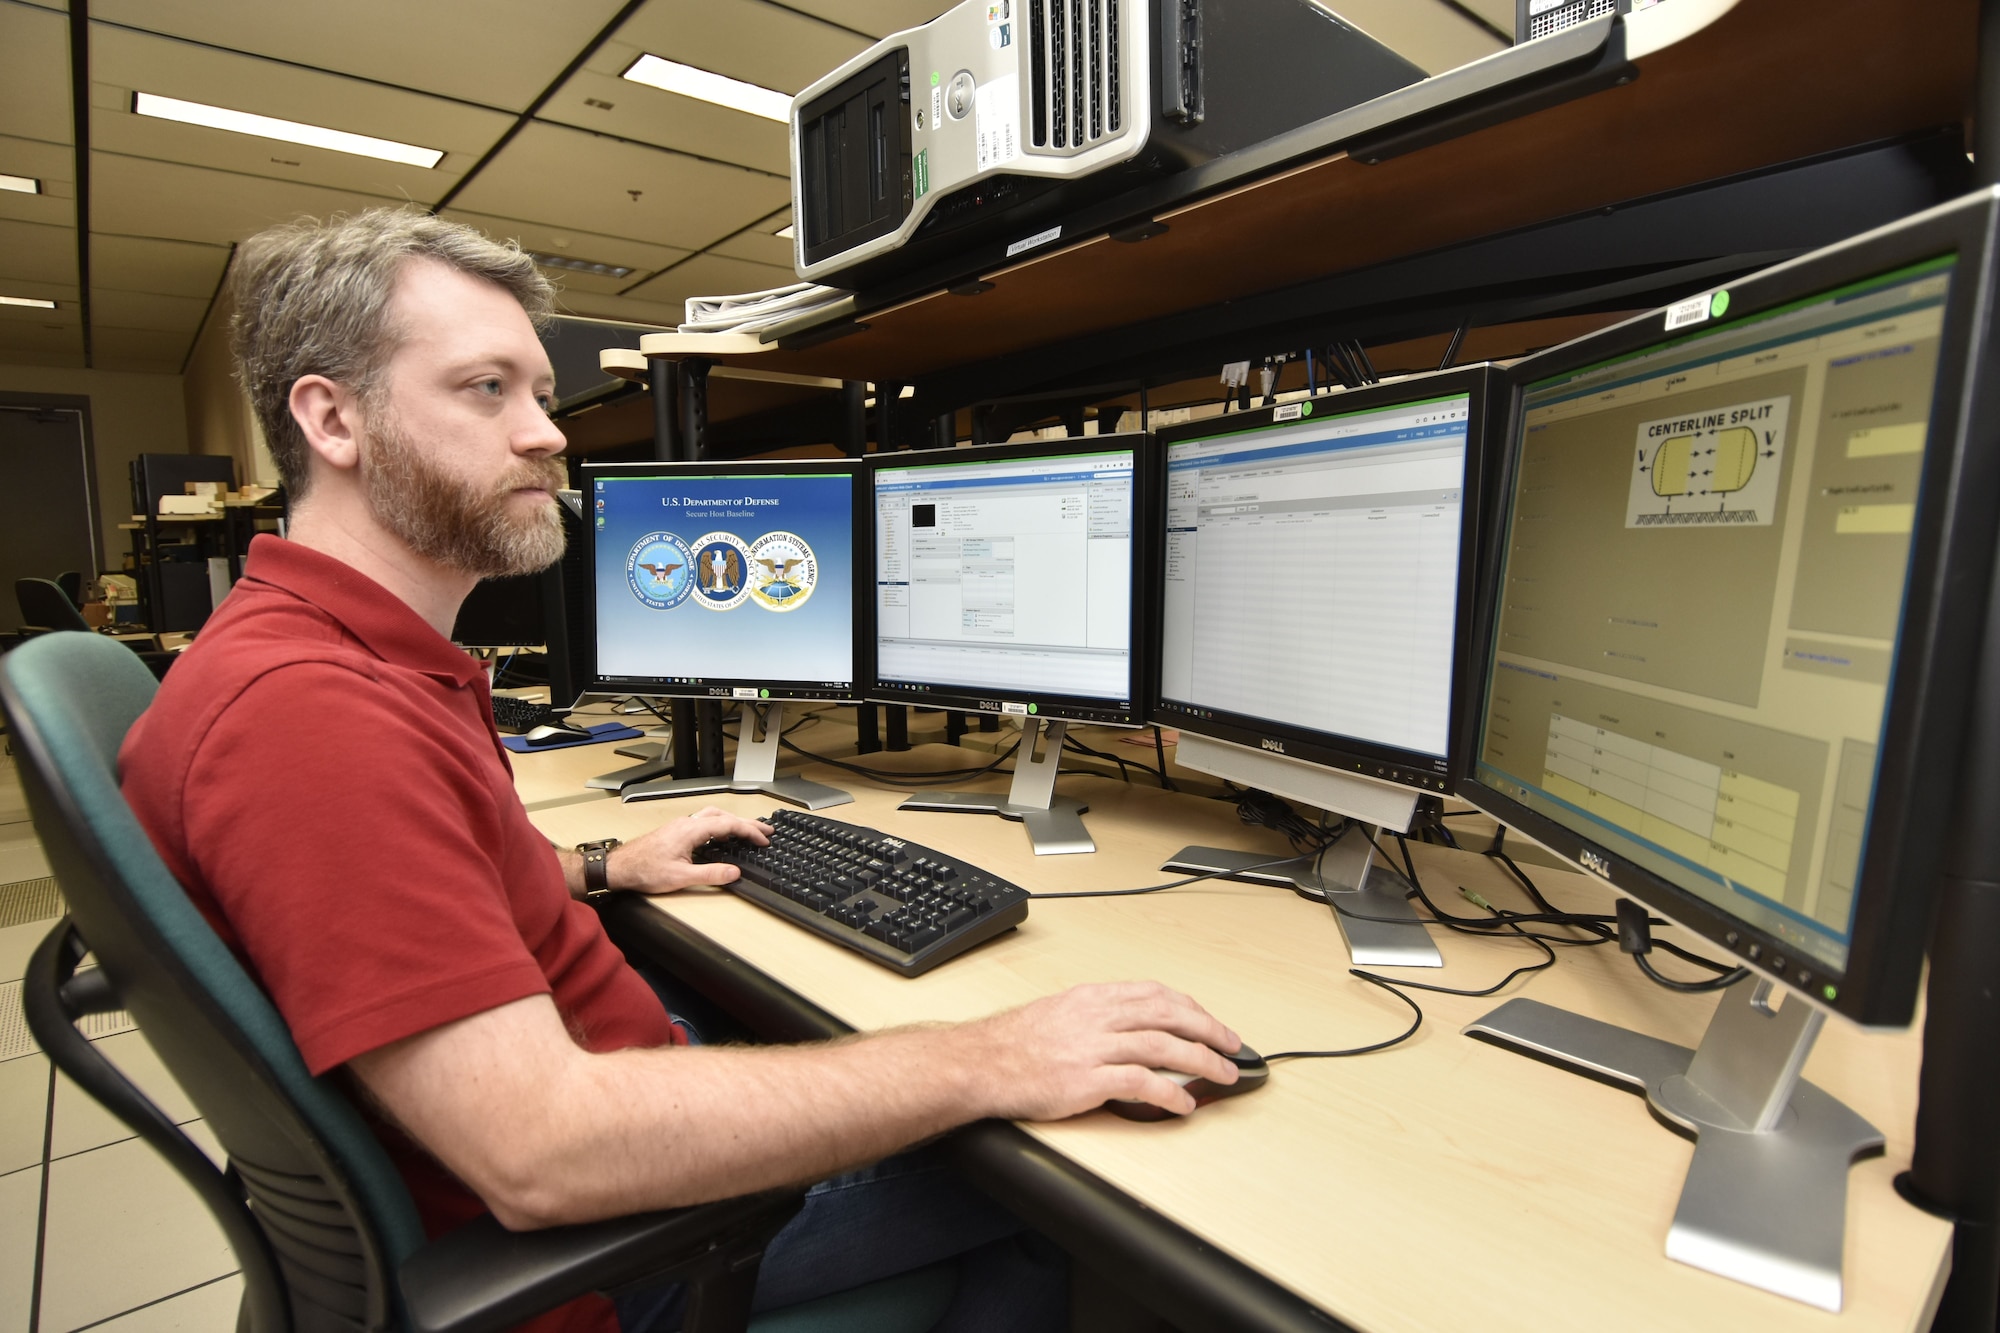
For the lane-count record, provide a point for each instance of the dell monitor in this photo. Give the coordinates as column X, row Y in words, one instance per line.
column 729, row 581
column 1731, row 626
column 1004, row 584
column 1312, row 628
column 502, row 612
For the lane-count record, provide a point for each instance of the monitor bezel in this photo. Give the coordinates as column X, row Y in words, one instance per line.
column 1343, row 754
column 1043, row 704
column 769, row 688
column 1937, row 647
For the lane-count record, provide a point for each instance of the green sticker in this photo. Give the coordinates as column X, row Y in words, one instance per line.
column 1718, row 304
column 920, row 172
column 934, row 78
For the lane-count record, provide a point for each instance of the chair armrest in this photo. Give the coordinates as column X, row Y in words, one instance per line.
column 483, row 1278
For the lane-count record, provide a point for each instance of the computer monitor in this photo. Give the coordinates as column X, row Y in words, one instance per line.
column 1732, row 620
column 503, row 612
column 1004, row 584
column 1312, row 628
column 730, row 581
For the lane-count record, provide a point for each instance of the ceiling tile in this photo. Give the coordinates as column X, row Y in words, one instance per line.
column 136, row 197
column 54, row 208
column 144, row 310
column 620, row 250
column 760, row 43
column 680, row 201
column 107, row 343
column 1427, row 33
column 124, row 62
column 34, row 73
column 51, row 163
column 492, row 52
column 42, row 253
column 759, row 244
column 166, row 268
column 878, row 18
column 30, row 345
column 671, row 121
column 712, row 275
column 624, row 309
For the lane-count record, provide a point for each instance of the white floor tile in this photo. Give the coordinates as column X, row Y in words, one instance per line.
column 21, row 857
column 81, row 1124
column 209, row 1309
column 124, row 1230
column 20, row 1214
column 24, row 1107
column 17, row 945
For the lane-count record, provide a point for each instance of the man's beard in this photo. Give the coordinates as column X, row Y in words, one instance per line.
column 452, row 521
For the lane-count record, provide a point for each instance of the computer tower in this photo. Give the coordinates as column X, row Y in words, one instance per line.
column 1001, row 117
column 1539, row 18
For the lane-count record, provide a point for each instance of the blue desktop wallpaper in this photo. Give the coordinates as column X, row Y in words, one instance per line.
column 667, row 544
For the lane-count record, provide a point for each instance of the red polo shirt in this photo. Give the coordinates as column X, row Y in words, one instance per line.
column 320, row 771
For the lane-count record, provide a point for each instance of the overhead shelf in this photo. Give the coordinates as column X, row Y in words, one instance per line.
column 1711, row 89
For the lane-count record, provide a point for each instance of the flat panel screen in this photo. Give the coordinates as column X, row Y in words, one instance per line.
column 1005, row 581
column 724, row 581
column 1707, row 568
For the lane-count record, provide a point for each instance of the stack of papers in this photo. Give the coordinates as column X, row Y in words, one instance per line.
column 752, row 312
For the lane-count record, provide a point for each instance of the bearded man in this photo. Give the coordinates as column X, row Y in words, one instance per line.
column 320, row 771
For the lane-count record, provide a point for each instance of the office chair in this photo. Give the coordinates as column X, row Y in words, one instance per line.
column 322, row 1226
column 71, row 582
column 45, row 606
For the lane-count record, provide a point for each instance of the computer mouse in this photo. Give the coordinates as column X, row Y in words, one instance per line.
column 1251, row 1074
column 550, row 734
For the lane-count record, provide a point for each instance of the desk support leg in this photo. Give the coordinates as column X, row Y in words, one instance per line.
column 1765, row 1201
column 1054, row 823
column 1369, row 898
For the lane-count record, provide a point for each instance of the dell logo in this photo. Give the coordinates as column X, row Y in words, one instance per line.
column 1595, row 863
column 1275, row 747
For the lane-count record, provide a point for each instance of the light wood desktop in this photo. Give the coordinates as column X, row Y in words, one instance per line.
column 1441, row 1184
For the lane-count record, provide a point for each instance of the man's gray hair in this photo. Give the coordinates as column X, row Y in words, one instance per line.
column 312, row 298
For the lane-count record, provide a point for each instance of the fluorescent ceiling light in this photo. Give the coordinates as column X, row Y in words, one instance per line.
column 290, row 131
column 784, row 233
column 688, row 81
column 580, row 265
column 22, row 184
column 27, row 301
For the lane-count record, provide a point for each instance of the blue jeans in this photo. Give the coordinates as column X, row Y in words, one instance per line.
column 901, row 1214
column 904, row 1213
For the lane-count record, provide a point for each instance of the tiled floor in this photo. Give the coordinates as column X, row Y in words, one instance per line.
column 95, row 1231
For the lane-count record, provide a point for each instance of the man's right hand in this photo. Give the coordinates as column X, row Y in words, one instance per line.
column 1067, row 1053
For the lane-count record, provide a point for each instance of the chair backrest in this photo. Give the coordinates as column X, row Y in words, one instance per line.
column 71, row 582
column 336, row 1214
column 44, row 604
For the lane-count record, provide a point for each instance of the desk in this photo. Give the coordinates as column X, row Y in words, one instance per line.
column 1442, row 1184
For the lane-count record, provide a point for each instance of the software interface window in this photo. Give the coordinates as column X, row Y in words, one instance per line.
column 1312, row 573
column 716, row 582
column 1704, row 580
column 1012, row 577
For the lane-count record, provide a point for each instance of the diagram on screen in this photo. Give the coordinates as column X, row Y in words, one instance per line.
column 1710, row 467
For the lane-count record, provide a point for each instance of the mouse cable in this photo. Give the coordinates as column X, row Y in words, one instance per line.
column 1397, row 1040
column 914, row 778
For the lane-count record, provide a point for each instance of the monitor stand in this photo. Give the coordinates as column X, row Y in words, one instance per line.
column 756, row 770
column 655, row 761
column 1369, row 899
column 1765, row 1201
column 1054, row 823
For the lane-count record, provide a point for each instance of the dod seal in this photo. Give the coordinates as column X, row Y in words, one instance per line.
column 783, row 571
column 721, row 571
column 659, row 571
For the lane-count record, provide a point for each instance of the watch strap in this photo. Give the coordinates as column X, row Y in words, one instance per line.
column 596, row 868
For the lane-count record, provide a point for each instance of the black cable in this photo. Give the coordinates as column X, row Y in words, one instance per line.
column 1172, row 883
column 918, row 778
column 1396, row 1040
column 1160, row 753
column 1070, row 743
column 1723, row 982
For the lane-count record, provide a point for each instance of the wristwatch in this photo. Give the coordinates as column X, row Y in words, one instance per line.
column 596, row 868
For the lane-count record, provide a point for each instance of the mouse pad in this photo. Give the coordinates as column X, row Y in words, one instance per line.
column 603, row 731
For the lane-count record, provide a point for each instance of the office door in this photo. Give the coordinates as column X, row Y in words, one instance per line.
column 46, row 504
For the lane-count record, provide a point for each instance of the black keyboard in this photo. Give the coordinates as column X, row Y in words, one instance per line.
column 518, row 715
column 897, row 904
